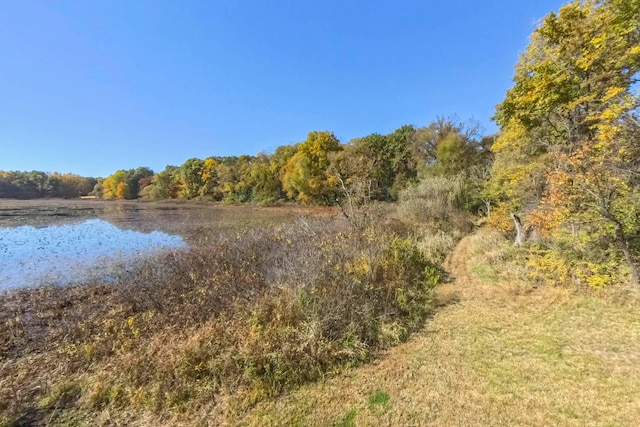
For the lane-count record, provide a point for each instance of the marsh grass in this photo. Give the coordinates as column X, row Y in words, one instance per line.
column 240, row 317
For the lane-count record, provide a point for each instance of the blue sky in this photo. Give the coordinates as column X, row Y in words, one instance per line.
column 93, row 86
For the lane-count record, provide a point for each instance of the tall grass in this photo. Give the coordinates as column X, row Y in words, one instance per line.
column 435, row 208
column 246, row 315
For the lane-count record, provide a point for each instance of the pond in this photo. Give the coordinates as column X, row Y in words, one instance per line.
column 74, row 253
column 77, row 241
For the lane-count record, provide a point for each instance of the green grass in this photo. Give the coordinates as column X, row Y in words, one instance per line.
column 378, row 398
column 349, row 419
column 486, row 273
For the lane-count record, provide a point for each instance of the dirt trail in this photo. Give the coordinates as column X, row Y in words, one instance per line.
column 456, row 263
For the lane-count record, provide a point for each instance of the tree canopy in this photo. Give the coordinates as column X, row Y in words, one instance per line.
column 567, row 155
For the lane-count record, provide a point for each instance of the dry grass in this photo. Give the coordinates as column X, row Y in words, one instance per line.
column 496, row 353
column 239, row 318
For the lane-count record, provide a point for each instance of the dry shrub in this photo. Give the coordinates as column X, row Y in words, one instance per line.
column 248, row 314
column 435, row 209
column 436, row 202
column 353, row 289
column 436, row 244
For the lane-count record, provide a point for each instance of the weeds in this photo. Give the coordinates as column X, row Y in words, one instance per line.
column 247, row 315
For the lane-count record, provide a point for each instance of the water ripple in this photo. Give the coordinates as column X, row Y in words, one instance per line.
column 71, row 253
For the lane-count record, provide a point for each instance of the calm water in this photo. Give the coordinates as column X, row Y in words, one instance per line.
column 72, row 253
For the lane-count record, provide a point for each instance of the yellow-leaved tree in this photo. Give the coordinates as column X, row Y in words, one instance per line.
column 567, row 158
column 305, row 176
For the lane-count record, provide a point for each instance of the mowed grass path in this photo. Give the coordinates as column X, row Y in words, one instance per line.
column 494, row 353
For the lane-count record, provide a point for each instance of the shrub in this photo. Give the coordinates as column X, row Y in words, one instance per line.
column 435, row 209
column 563, row 259
column 436, row 202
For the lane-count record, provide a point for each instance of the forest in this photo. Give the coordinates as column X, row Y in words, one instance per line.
column 36, row 184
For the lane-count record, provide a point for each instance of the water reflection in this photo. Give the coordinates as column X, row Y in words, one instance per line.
column 186, row 220
column 73, row 253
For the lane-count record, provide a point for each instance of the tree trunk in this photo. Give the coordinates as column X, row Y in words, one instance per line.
column 487, row 204
column 522, row 232
column 635, row 275
column 623, row 244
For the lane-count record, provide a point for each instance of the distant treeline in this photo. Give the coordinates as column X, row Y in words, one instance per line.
column 35, row 184
column 319, row 170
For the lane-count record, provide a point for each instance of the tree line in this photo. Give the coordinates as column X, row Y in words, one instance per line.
column 35, row 184
column 319, row 170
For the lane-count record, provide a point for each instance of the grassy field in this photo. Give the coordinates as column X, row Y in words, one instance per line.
column 497, row 352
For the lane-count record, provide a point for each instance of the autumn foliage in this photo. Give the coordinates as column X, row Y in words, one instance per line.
column 567, row 155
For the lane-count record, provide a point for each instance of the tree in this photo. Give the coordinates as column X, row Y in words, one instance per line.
column 370, row 161
column 165, row 184
column 383, row 163
column 264, row 180
column 227, row 178
column 8, row 189
column 209, row 178
column 567, row 154
column 305, row 176
column 453, row 149
column 357, row 176
column 123, row 191
column 112, row 182
column 191, row 173
column 242, row 188
column 133, row 180
column 111, row 188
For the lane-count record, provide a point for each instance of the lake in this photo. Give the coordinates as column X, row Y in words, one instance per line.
column 78, row 241
column 71, row 253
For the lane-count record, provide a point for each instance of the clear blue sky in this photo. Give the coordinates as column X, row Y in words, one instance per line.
column 93, row 86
